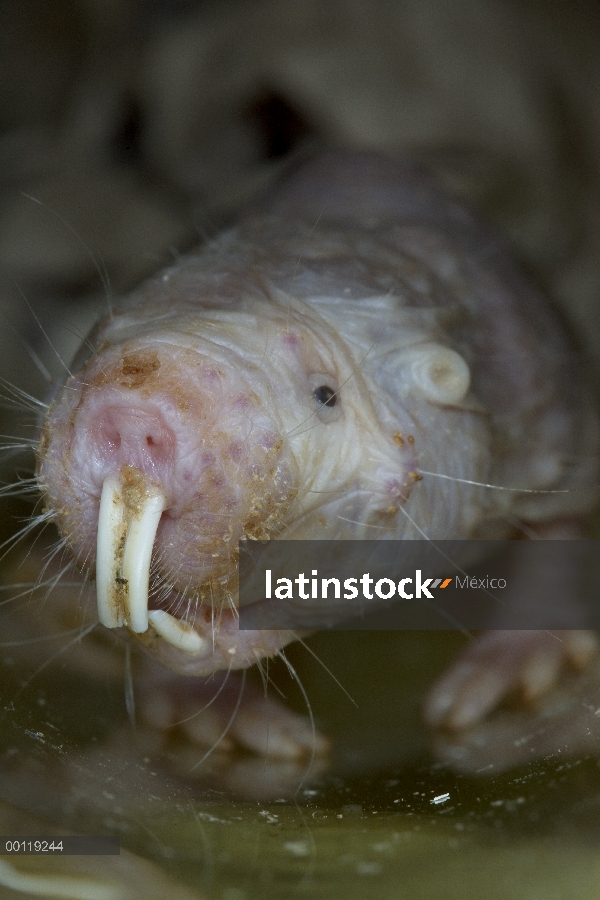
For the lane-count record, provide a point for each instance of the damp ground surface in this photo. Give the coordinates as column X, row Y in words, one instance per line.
column 391, row 815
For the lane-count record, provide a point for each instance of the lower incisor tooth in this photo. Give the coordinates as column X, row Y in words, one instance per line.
column 178, row 634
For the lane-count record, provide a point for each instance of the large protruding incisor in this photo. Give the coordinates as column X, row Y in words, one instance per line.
column 130, row 510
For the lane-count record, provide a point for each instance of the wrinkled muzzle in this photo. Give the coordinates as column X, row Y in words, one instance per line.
column 156, row 461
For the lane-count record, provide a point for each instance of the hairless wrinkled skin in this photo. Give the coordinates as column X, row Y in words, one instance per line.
column 296, row 378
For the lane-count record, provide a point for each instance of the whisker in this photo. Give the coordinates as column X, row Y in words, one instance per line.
column 30, row 351
column 97, row 262
column 20, row 488
column 42, row 639
column 54, row 581
column 498, row 487
column 21, row 398
column 294, row 675
column 362, row 524
column 15, row 539
column 82, row 634
column 526, row 529
column 453, row 563
column 327, row 669
column 129, row 692
column 206, row 705
column 227, row 727
column 44, row 332
column 30, row 587
column 28, row 442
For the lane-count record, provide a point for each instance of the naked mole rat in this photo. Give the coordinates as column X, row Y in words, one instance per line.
column 310, row 374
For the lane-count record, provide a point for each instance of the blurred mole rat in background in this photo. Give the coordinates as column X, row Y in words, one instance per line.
column 358, row 358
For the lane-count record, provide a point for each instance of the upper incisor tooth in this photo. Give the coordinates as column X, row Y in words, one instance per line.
column 137, row 556
column 130, row 511
column 110, row 534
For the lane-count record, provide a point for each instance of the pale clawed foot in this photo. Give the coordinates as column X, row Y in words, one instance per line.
column 225, row 714
column 499, row 665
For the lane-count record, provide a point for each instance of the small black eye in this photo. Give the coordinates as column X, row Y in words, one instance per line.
column 325, row 396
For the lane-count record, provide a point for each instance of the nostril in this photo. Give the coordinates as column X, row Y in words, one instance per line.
column 122, row 435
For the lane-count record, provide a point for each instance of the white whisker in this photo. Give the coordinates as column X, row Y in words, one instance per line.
column 82, row 633
column 311, row 717
column 228, row 726
column 98, row 263
column 15, row 539
column 362, row 524
column 129, row 692
column 495, row 487
column 328, row 670
column 206, row 705
column 41, row 640
column 21, row 399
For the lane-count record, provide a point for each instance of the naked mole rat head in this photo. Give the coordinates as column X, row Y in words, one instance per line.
column 193, row 425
